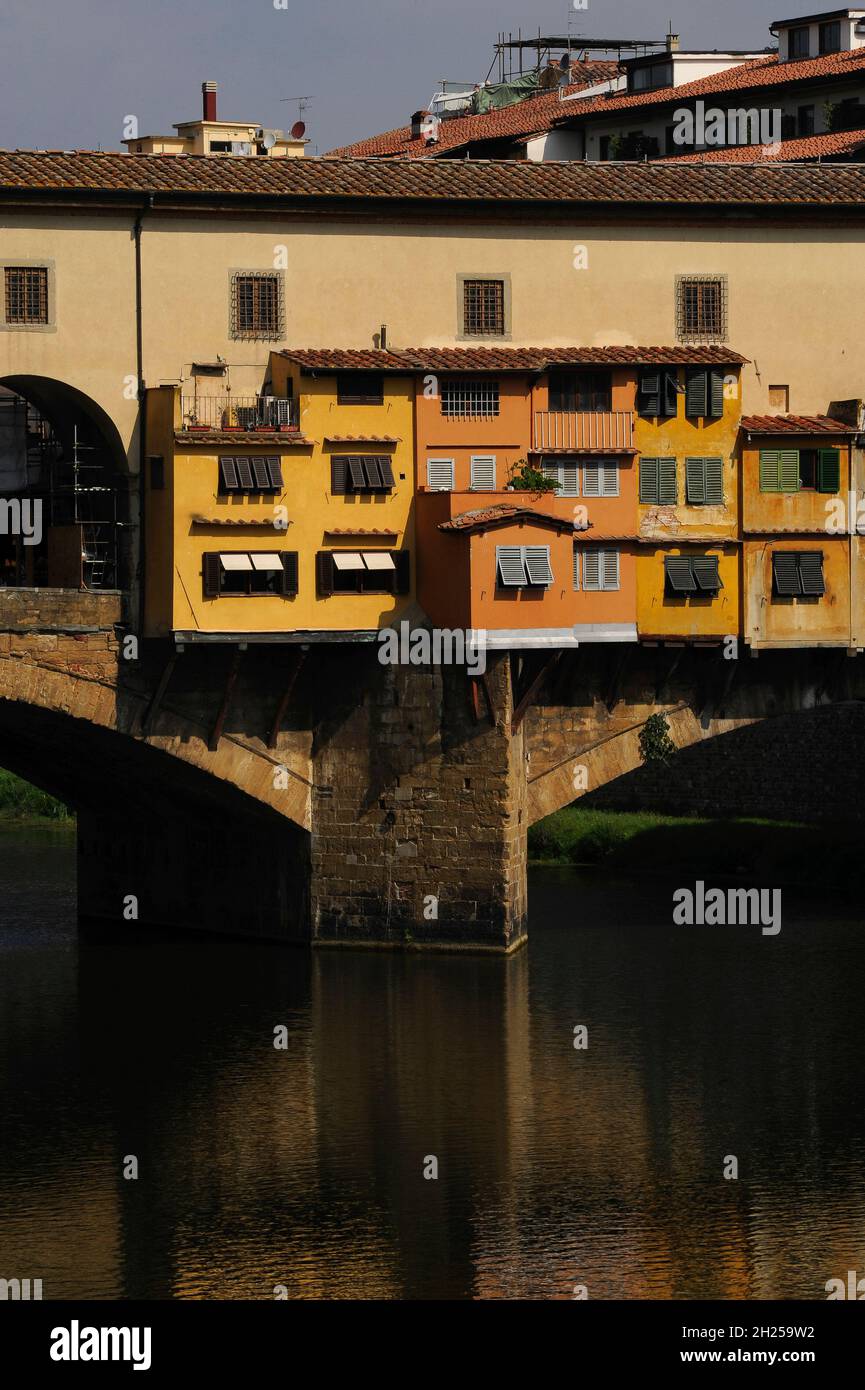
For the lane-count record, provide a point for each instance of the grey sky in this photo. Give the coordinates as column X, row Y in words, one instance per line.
column 71, row 70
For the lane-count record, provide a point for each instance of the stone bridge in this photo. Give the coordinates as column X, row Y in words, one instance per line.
column 312, row 794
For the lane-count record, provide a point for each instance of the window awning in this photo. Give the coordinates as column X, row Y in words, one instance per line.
column 266, row 562
column 348, row 560
column 378, row 561
column 235, row 562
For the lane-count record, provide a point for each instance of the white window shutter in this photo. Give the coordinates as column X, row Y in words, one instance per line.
column 510, row 566
column 592, row 569
column 610, row 569
column 570, row 480
column 484, row 473
column 576, row 568
column 609, row 479
column 440, row 475
column 591, row 480
column 537, row 558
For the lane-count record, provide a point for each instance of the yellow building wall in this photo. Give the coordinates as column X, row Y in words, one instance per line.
column 796, row 622
column 804, row 510
column 663, row 615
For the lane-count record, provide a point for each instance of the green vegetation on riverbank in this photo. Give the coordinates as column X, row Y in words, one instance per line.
column 20, row 801
column 640, row 843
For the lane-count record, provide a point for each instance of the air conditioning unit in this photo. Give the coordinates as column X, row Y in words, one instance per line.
column 277, row 410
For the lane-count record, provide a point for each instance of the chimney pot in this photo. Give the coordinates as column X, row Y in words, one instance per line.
column 672, row 43
column 208, row 94
column 417, row 123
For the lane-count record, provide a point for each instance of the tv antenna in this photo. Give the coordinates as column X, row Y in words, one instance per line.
column 302, row 104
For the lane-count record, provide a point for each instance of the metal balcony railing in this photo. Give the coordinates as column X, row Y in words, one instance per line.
column 584, row 429
column 238, row 412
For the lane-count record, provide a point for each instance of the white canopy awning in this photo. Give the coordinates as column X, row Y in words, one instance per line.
column 266, row 562
column 348, row 560
column 235, row 562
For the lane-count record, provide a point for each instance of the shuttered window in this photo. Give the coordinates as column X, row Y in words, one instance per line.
column 351, row 473
column 692, row 574
column 367, row 572
column 658, row 482
column 704, row 481
column 576, row 568
column 359, row 388
column 238, row 573
column 254, row 474
column 440, row 475
column 483, row 473
column 779, row 470
column 521, row 566
column 659, row 392
column 600, row 569
column 565, row 475
column 828, row 470
column 601, row 479
column 798, row 573
column 704, row 394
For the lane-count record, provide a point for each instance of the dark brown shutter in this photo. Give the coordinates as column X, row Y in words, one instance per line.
column 386, row 472
column 402, row 578
column 262, row 474
column 228, row 474
column 244, row 473
column 289, row 571
column 373, row 476
column 324, row 573
column 338, row 466
column 210, row 571
column 356, row 473
column 274, row 466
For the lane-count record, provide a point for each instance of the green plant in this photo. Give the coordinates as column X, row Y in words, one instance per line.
column 525, row 478
column 656, row 746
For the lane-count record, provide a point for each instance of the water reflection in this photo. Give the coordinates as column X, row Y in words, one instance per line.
column 304, row 1167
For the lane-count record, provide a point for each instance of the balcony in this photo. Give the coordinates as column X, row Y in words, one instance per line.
column 610, row 431
column 238, row 413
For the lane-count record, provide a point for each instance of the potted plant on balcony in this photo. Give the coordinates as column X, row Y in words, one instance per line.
column 524, row 477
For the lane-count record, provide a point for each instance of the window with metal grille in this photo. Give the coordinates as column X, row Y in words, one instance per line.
column 704, row 481
column 237, row 573
column 483, row 472
column 484, row 308
column 26, row 294
column 701, row 307
column 798, row 574
column 440, row 475
column 250, row 474
column 469, row 398
column 658, row 482
column 601, row 569
column 360, row 388
column 350, row 473
column 601, row 479
column 692, row 574
column 257, row 305
column 523, row 566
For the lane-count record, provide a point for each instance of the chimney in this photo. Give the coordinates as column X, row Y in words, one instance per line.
column 418, row 123
column 672, row 43
column 208, row 93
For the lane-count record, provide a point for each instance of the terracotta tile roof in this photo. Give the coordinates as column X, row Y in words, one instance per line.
column 289, row 440
column 358, row 531
column 505, row 359
column 189, row 180
column 361, row 439
column 755, row 75
column 794, row 424
column 501, row 515
column 788, row 151
column 528, row 117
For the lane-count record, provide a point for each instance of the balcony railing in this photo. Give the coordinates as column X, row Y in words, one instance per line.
column 584, row 429
column 238, row 412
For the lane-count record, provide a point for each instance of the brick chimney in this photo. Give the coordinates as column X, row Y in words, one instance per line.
column 418, row 121
column 208, row 94
column 672, row 43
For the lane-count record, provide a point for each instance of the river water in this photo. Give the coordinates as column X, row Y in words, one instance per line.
column 302, row 1168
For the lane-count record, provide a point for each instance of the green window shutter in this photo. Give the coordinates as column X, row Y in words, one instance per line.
column 697, row 393
column 770, row 475
column 811, row 573
column 705, row 569
column 695, row 481
column 671, row 394
column 828, row 470
column 668, row 492
column 785, row 571
column 788, row 470
column 716, row 395
column 714, row 469
column 679, row 575
column 649, row 483
column 650, row 393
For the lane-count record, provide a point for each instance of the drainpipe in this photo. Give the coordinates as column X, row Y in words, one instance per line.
column 142, row 416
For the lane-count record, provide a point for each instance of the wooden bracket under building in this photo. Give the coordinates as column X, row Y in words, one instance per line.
column 476, row 684
column 523, row 703
column 230, row 682
column 158, row 695
column 299, row 656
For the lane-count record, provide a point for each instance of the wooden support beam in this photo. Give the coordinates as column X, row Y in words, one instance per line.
column 488, row 696
column 524, row 702
column 614, row 689
column 667, row 674
column 156, row 700
column 230, row 682
column 299, row 656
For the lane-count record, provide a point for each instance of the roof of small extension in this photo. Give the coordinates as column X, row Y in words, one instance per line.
column 532, row 116
column 794, row 424
column 490, row 359
column 503, row 514
column 198, row 180
column 830, row 146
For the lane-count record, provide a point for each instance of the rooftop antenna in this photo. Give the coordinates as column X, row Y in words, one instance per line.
column 302, row 104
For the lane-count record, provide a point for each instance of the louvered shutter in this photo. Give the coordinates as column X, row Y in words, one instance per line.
column 591, row 480
column 402, row 571
column 671, row 393
column 679, row 574
column 244, row 473
column 570, row 480
column 372, row 472
column 386, row 468
column 785, row 570
column 356, row 474
column 324, row 573
column 289, row 572
column 650, row 393
column 649, row 491
column 811, row 573
column 228, row 474
column 610, row 569
column 788, row 470
column 440, row 474
column 510, row 566
column 705, row 570
column 591, row 569
column 483, row 474
column 576, row 568
column 716, row 395
column 695, row 481
column 668, row 492
column 714, row 476
column 262, row 474
column 828, row 470
column 338, row 474
column 609, row 479
column 210, row 571
column 537, row 562
column 770, row 470
column 697, row 394
column 274, row 468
